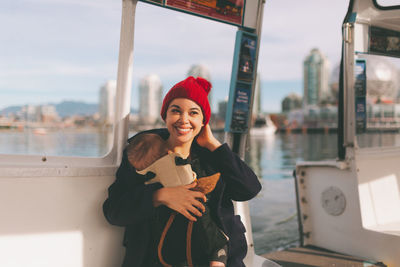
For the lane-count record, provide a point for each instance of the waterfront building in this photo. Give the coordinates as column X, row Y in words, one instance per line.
column 150, row 96
column 222, row 106
column 294, row 119
column 49, row 113
column 316, row 78
column 313, row 117
column 107, row 102
column 39, row 113
column 291, row 102
column 31, row 113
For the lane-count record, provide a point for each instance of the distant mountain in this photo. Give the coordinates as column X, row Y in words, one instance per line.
column 10, row 110
column 64, row 109
column 69, row 108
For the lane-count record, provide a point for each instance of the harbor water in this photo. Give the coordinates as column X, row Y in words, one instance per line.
column 273, row 158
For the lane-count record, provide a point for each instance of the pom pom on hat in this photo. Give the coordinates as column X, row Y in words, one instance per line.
column 205, row 84
column 195, row 89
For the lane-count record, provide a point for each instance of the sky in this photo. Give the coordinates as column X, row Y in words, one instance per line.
column 54, row 50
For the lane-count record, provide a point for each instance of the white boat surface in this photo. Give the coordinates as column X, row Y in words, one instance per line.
column 40, row 131
column 263, row 126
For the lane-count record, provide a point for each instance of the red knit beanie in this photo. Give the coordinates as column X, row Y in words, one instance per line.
column 195, row 89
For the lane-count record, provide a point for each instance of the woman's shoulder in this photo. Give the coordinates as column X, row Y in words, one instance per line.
column 162, row 132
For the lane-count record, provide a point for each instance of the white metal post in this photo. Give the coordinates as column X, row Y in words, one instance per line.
column 124, row 78
column 242, row 208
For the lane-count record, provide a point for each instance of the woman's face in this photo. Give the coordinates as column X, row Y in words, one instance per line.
column 184, row 120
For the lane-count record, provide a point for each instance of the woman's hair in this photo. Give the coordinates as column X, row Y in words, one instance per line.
column 145, row 149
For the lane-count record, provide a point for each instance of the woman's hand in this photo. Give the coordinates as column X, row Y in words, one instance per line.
column 206, row 138
column 181, row 199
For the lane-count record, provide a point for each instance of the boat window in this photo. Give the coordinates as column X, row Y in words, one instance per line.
column 58, row 65
column 377, row 96
column 165, row 53
column 385, row 4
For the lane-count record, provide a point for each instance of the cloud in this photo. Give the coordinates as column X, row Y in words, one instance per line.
column 292, row 28
column 59, row 70
column 173, row 41
column 77, row 42
column 106, row 6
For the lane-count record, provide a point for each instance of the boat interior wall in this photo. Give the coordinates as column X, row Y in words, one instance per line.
column 57, row 221
column 312, row 182
column 335, row 206
column 379, row 189
column 361, row 32
column 21, row 162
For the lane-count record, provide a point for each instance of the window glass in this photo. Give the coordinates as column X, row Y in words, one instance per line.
column 169, row 46
column 58, row 65
column 388, row 3
column 378, row 108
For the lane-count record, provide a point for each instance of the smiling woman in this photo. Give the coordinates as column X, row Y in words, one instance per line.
column 214, row 235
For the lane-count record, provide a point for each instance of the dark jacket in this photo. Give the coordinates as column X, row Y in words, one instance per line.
column 130, row 204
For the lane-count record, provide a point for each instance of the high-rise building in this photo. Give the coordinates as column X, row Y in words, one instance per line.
column 203, row 72
column 291, row 102
column 150, row 96
column 39, row 113
column 49, row 113
column 31, row 113
column 316, row 78
column 107, row 102
column 222, row 106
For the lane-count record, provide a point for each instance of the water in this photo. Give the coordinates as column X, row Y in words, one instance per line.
column 56, row 143
column 273, row 158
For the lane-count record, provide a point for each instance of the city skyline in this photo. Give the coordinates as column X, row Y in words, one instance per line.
column 70, row 63
column 320, row 82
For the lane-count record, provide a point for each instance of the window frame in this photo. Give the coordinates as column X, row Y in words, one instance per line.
column 43, row 166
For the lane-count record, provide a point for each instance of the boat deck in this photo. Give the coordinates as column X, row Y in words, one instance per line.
column 312, row 256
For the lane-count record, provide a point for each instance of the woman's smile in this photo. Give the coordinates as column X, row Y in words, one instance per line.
column 182, row 130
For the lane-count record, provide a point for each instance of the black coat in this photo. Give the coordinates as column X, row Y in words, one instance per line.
column 130, row 204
